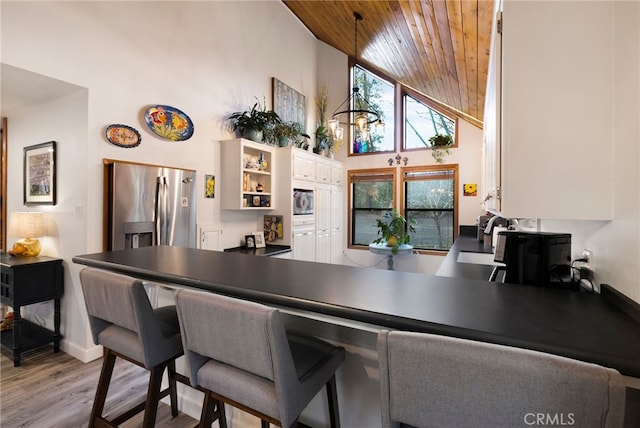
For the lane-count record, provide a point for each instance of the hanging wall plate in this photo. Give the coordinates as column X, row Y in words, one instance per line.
column 123, row 136
column 168, row 122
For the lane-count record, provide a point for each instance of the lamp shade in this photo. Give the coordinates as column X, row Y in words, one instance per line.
column 26, row 225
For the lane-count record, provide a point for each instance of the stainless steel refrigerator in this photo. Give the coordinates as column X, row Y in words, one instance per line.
column 149, row 205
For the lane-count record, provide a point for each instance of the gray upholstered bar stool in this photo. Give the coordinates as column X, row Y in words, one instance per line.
column 124, row 323
column 430, row 380
column 240, row 352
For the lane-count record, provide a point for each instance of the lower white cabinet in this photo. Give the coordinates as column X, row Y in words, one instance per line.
column 304, row 243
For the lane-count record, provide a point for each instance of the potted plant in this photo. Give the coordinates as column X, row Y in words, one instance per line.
column 285, row 133
column 440, row 146
column 394, row 230
column 251, row 124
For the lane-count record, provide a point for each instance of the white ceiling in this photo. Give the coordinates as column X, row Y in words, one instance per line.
column 21, row 88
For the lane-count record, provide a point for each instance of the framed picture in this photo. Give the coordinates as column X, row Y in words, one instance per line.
column 256, row 201
column 288, row 103
column 273, row 228
column 259, row 239
column 209, row 186
column 249, row 241
column 39, row 179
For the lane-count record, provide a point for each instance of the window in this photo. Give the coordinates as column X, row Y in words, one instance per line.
column 371, row 195
column 379, row 94
column 414, row 115
column 428, row 196
column 430, row 199
column 422, row 122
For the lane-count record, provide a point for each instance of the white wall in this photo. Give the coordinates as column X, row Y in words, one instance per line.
column 616, row 244
column 205, row 58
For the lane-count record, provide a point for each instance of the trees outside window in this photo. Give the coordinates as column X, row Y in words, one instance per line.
column 416, row 117
column 426, row 194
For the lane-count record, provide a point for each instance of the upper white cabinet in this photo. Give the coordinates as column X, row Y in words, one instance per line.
column 548, row 123
column 247, row 175
column 303, row 165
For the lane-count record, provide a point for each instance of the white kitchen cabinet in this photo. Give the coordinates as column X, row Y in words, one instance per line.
column 548, row 125
column 336, row 173
column 323, row 222
column 298, row 169
column 323, row 170
column 303, row 243
column 304, row 165
column 247, row 179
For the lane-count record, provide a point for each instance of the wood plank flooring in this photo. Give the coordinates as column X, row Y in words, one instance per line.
column 56, row 391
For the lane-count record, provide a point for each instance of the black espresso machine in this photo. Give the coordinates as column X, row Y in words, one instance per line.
column 541, row 259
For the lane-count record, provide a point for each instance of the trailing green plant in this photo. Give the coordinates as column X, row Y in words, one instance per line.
column 257, row 119
column 394, row 230
column 440, row 146
column 282, row 133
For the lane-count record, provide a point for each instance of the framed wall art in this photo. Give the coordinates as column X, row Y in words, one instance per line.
column 39, row 179
column 259, row 239
column 288, row 103
column 209, row 186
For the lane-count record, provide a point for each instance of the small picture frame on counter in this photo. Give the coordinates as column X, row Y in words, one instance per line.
column 259, row 239
column 250, row 241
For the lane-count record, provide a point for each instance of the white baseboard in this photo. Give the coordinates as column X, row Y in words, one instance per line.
column 83, row 354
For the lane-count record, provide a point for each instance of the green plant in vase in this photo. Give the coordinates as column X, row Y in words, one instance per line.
column 285, row 133
column 440, row 146
column 252, row 124
column 394, row 230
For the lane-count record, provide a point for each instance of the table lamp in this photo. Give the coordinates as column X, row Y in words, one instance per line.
column 27, row 226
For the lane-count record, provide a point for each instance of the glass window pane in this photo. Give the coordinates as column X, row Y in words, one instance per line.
column 433, row 194
column 373, row 194
column 430, row 201
column 422, row 122
column 364, row 226
column 380, row 96
column 433, row 229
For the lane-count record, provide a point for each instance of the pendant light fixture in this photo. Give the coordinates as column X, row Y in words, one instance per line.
column 361, row 113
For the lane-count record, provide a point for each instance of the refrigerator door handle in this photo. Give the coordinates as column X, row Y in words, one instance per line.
column 161, row 210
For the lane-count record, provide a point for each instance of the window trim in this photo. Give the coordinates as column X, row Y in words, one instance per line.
column 399, row 92
column 393, row 171
column 456, row 196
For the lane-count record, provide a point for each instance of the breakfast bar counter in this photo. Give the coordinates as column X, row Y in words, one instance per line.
column 583, row 326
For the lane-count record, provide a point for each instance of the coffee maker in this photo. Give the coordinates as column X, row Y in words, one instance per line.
column 540, row 259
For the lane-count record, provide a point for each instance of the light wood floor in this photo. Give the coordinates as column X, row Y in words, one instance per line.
column 55, row 390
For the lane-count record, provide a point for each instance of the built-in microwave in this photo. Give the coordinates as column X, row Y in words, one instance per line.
column 302, row 201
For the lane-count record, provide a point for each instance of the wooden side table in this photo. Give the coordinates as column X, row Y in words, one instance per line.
column 24, row 281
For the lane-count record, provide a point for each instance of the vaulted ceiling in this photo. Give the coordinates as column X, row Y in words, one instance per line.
column 436, row 47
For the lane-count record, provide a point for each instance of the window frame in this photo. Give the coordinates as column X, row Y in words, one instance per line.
column 456, row 196
column 366, row 172
column 399, row 197
column 404, row 92
column 400, row 91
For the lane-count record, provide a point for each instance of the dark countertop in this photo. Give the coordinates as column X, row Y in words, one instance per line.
column 451, row 268
column 576, row 325
column 269, row 250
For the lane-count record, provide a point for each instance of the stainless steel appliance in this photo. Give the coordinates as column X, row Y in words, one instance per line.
column 149, row 205
column 535, row 258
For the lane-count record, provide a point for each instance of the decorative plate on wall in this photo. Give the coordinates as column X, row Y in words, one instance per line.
column 123, row 136
column 168, row 122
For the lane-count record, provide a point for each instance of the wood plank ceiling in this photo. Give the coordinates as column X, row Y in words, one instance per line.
column 439, row 48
